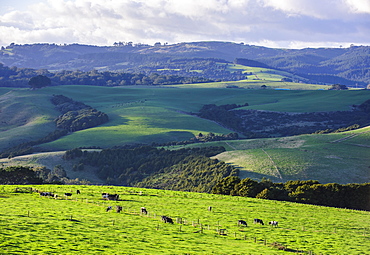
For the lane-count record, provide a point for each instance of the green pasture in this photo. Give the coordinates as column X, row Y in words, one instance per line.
column 255, row 84
column 259, row 73
column 341, row 158
column 151, row 114
column 80, row 224
column 25, row 115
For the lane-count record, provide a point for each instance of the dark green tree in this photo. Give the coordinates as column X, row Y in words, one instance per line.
column 19, row 175
column 39, row 81
column 226, row 186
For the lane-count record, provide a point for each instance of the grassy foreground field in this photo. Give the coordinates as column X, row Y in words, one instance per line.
column 79, row 224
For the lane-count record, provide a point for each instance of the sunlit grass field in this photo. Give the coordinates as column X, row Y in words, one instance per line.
column 338, row 157
column 80, row 224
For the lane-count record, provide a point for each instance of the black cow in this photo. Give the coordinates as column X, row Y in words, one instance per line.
column 273, row 223
column 258, row 221
column 113, row 197
column 78, row 192
column 46, row 194
column 108, row 208
column 242, row 222
column 166, row 219
column 143, row 210
column 68, row 194
column 110, row 196
column 118, row 208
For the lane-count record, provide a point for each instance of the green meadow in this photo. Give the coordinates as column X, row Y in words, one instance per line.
column 152, row 114
column 80, row 224
column 338, row 157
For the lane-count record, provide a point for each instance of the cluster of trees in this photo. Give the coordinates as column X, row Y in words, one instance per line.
column 120, row 78
column 19, row 175
column 338, row 87
column 213, row 137
column 258, row 124
column 354, row 196
column 76, row 115
column 194, row 174
column 39, row 81
column 36, row 175
column 223, row 114
column 130, row 165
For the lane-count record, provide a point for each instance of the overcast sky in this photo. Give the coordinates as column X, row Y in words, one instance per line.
column 271, row 23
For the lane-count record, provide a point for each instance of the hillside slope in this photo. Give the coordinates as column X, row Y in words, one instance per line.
column 341, row 158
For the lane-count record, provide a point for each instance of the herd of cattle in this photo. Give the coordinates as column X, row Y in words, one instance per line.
column 143, row 211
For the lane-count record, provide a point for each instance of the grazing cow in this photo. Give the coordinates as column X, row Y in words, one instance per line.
column 108, row 208
column 242, row 222
column 118, row 208
column 166, row 219
column 258, row 221
column 110, row 196
column 78, row 192
column 68, row 194
column 143, row 210
column 46, row 194
column 210, row 208
column 273, row 223
column 113, row 197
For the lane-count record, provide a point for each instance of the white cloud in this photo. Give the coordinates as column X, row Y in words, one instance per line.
column 359, row 6
column 274, row 22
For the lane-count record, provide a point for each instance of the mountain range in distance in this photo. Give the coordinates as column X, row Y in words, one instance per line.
column 348, row 66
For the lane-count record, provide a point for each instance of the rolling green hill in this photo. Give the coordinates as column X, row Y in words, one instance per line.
column 340, row 157
column 147, row 114
column 81, row 224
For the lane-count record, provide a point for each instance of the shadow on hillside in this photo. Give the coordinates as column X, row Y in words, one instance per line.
column 243, row 174
column 168, row 137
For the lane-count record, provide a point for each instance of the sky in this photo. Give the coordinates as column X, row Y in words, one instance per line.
column 270, row 23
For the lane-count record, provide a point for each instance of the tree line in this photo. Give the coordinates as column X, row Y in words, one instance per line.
column 262, row 124
column 195, row 173
column 354, row 196
column 22, row 77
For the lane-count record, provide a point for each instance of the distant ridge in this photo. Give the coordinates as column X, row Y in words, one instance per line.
column 351, row 63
